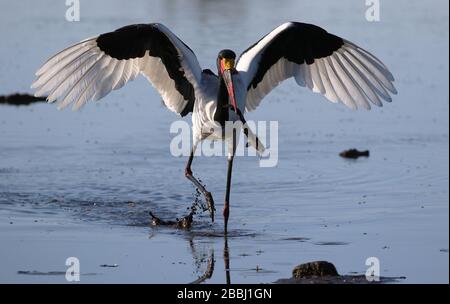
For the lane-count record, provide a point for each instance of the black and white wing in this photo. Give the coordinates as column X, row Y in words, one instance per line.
column 325, row 63
column 92, row 68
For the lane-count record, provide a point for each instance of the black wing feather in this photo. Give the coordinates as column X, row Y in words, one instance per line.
column 299, row 43
column 133, row 41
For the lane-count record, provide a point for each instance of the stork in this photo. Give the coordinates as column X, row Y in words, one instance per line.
column 327, row 64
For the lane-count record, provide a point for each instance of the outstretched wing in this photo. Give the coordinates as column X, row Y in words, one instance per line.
column 92, row 68
column 325, row 63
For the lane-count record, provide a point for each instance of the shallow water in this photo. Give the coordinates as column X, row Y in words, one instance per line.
column 94, row 175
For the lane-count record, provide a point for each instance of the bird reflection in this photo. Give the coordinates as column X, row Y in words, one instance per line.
column 200, row 260
column 226, row 260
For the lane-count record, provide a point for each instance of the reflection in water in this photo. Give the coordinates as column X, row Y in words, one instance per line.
column 209, row 270
column 199, row 259
column 226, row 260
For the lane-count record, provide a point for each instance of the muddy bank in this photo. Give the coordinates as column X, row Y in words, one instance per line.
column 20, row 99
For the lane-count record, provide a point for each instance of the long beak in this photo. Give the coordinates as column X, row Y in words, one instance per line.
column 226, row 74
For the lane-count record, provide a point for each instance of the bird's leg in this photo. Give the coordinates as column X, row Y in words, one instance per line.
column 207, row 194
column 226, row 206
column 246, row 127
column 226, row 260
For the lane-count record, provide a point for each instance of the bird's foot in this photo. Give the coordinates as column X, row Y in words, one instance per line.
column 210, row 204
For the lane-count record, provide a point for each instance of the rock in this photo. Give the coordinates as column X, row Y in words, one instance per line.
column 20, row 99
column 322, row 272
column 344, row 279
column 109, row 265
column 354, row 153
column 317, row 268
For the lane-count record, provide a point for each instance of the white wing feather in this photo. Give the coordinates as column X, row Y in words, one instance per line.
column 350, row 75
column 83, row 72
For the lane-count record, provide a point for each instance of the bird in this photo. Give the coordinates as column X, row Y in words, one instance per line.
column 327, row 64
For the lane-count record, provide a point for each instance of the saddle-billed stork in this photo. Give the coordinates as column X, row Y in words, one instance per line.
column 325, row 63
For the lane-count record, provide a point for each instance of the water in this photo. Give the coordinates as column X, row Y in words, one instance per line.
column 89, row 178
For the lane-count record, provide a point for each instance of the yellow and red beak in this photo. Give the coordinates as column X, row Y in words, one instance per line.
column 226, row 68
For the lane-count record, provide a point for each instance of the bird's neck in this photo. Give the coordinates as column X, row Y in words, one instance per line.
column 222, row 111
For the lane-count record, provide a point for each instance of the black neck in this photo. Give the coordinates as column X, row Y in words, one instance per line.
column 221, row 114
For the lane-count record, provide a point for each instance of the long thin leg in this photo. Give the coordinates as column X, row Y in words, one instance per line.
column 206, row 193
column 226, row 206
column 226, row 259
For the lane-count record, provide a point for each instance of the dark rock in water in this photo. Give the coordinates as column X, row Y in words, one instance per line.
column 354, row 153
column 109, row 265
column 49, row 273
column 34, row 272
column 317, row 268
column 20, row 99
column 322, row 272
column 342, row 279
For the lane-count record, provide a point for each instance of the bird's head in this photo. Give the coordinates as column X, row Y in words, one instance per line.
column 226, row 66
column 225, row 60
